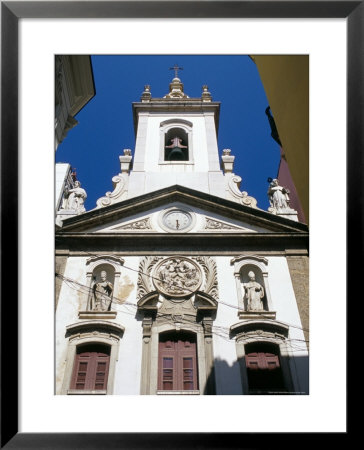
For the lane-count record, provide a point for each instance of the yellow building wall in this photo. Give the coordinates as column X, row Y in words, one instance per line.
column 286, row 83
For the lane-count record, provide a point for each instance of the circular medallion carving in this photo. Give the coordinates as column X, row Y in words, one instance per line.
column 177, row 277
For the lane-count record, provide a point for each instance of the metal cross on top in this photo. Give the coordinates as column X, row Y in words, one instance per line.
column 176, row 69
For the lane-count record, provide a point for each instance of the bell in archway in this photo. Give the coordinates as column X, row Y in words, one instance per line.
column 178, row 151
column 176, row 154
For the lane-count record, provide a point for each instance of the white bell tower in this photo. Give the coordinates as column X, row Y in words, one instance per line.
column 176, row 142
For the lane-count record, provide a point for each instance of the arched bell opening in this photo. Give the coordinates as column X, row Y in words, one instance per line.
column 176, row 145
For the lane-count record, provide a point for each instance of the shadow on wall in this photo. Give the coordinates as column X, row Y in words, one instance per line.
column 291, row 378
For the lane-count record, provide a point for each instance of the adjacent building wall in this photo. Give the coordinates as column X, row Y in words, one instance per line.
column 74, row 87
column 286, row 83
column 299, row 271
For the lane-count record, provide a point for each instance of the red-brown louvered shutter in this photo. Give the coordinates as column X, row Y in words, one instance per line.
column 187, row 370
column 101, row 371
column 264, row 372
column 91, row 370
column 177, row 363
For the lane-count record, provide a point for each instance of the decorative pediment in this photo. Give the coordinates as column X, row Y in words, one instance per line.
column 90, row 328
column 204, row 302
column 109, row 258
column 96, row 260
column 260, row 328
column 149, row 302
column 217, row 215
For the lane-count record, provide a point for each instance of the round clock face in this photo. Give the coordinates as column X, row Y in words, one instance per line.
column 177, row 220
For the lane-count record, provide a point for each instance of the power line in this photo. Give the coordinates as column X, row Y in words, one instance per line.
column 220, row 331
column 139, row 272
column 71, row 283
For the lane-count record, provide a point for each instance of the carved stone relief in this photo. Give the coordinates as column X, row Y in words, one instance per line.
column 143, row 224
column 177, row 277
column 177, row 309
column 212, row 224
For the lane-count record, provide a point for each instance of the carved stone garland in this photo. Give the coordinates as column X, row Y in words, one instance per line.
column 209, row 267
column 144, row 282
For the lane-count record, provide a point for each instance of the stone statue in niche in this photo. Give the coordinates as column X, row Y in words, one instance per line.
column 278, row 196
column 75, row 198
column 254, row 293
column 102, row 294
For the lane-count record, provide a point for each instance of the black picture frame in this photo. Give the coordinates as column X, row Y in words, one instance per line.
column 11, row 12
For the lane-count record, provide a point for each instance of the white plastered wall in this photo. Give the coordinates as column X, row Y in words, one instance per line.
column 128, row 364
column 73, row 298
column 227, row 371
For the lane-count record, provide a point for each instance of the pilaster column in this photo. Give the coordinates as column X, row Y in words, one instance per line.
column 146, row 355
column 207, row 324
column 211, row 141
column 141, row 142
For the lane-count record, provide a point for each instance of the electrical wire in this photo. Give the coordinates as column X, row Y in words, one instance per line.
column 223, row 332
column 191, row 291
column 220, row 331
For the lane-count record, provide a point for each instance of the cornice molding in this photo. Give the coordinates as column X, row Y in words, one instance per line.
column 186, row 195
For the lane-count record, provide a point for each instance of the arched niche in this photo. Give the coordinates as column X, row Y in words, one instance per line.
column 259, row 265
column 95, row 265
column 180, row 129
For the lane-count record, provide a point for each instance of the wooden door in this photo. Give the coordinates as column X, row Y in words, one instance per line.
column 177, row 363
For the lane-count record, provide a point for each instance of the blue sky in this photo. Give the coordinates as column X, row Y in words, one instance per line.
column 106, row 126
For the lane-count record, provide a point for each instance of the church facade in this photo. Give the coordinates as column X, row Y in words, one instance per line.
column 177, row 283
